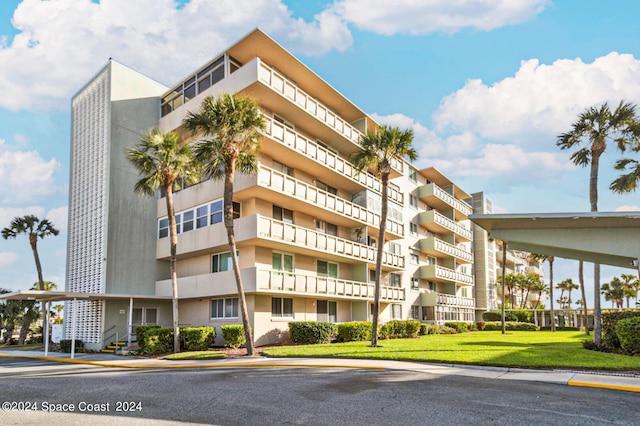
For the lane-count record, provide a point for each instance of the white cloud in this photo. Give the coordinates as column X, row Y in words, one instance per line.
column 7, row 258
column 25, row 175
column 627, row 209
column 539, row 101
column 427, row 16
column 61, row 43
column 58, row 217
column 7, row 214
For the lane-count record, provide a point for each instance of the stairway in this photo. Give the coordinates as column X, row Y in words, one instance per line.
column 114, row 347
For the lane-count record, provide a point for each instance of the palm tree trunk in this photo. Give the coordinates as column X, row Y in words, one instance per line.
column 593, row 198
column 228, row 223
column 551, row 312
column 173, row 267
column 504, row 279
column 33, row 241
column 584, row 296
column 383, row 226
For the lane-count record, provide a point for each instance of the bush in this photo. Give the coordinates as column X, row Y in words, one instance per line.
column 312, row 332
column 609, row 320
column 355, row 331
column 511, row 326
column 140, row 335
column 445, row 329
column 197, row 338
column 233, row 334
column 424, row 329
column 548, row 328
column 157, row 340
column 459, row 326
column 628, row 334
column 65, row 346
column 519, row 315
column 399, row 329
column 480, row 325
column 492, row 316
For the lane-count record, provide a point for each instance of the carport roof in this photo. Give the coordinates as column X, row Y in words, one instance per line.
column 611, row 238
column 53, row 296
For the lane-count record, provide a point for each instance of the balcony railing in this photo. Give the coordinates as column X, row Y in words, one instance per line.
column 286, row 232
column 269, row 280
column 433, row 216
column 437, row 272
column 296, row 188
column 294, row 140
column 436, row 244
column 431, row 189
column 440, row 299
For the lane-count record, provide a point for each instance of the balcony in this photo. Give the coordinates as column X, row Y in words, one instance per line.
column 440, row 199
column 440, row 299
column 314, row 198
column 440, row 273
column 534, row 270
column 291, row 139
column 436, row 247
column 438, row 223
column 276, row 230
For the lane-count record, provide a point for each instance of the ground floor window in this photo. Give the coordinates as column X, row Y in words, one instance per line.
column 327, row 310
column 224, row 308
column 396, row 311
column 415, row 312
column 281, row 307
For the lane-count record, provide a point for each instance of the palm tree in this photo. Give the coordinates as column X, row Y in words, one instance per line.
column 539, row 288
column 550, row 259
column 528, row 284
column 34, row 228
column 630, row 285
column 377, row 150
column 568, row 286
column 163, row 162
column 10, row 311
column 58, row 308
column 594, row 127
column 513, row 281
column 230, row 127
column 613, row 291
column 584, row 296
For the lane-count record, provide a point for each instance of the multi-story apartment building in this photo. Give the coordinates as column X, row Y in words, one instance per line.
column 306, row 224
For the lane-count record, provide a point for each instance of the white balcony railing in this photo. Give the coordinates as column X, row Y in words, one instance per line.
column 449, row 300
column 269, row 280
column 286, row 232
column 435, row 190
column 445, row 222
column 432, row 243
column 298, row 189
column 441, row 273
column 303, row 145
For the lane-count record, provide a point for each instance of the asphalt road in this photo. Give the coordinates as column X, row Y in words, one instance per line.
column 50, row 393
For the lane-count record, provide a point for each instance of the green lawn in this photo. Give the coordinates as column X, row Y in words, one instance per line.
column 195, row 355
column 525, row 349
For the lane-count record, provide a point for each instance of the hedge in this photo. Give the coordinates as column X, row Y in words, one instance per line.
column 65, row 346
column 511, row 326
column 519, row 315
column 355, row 331
column 628, row 334
column 312, row 332
column 197, row 338
column 399, row 329
column 459, row 326
column 609, row 320
column 233, row 334
column 157, row 340
column 141, row 330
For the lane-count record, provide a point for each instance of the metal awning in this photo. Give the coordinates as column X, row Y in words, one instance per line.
column 611, row 238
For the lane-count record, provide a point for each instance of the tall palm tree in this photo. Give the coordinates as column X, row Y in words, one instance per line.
column 230, row 127
column 377, row 150
column 529, row 283
column 513, row 281
column 613, row 291
column 584, row 296
column 630, row 285
column 163, row 162
column 35, row 229
column 549, row 259
column 594, row 128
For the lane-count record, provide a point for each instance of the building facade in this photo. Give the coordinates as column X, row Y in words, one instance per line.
column 306, row 224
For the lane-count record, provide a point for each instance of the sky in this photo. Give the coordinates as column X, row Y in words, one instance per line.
column 486, row 86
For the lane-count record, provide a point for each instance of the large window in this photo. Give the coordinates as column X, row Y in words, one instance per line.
column 222, row 262
column 224, row 308
column 326, row 227
column 413, row 175
column 198, row 217
column 413, row 201
column 415, row 312
column 278, row 166
column 413, row 229
column 280, row 213
column 282, row 307
column 395, row 280
column 415, row 283
column 396, row 311
column 327, row 310
column 327, row 269
column 323, row 186
column 282, row 262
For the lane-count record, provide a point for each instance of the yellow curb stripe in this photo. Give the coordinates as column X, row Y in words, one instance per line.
column 604, row 386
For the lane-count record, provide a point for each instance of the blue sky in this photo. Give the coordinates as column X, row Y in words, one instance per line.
column 486, row 86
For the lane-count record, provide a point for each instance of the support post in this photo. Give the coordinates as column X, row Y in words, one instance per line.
column 73, row 328
column 130, row 322
column 504, row 272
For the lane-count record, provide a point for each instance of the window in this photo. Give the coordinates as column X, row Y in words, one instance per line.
column 327, row 269
column 221, row 262
column 281, row 307
column 394, row 248
column 187, row 221
column 178, row 222
column 413, row 228
column 395, row 280
column 325, row 146
column 327, row 310
column 282, row 121
column 413, row 201
column 372, row 275
column 415, row 312
column 216, row 212
column 432, row 286
column 282, row 262
column 415, row 283
column 328, row 188
column 413, row 175
column 396, row 311
column 202, row 216
column 278, row 166
column 326, row 227
column 280, row 213
column 163, row 228
column 414, row 258
column 224, row 308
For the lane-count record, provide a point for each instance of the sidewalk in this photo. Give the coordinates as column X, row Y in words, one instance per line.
column 604, row 380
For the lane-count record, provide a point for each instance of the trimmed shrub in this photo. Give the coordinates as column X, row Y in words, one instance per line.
column 158, row 340
column 233, row 334
column 628, row 334
column 355, row 331
column 424, row 329
column 197, row 338
column 312, row 332
column 609, row 320
column 548, row 328
column 492, row 316
column 445, row 329
column 480, row 325
column 65, row 346
column 459, row 326
column 511, row 326
column 399, row 329
column 519, row 315
column 140, row 334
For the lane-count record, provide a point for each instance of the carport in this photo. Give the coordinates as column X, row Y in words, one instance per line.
column 46, row 297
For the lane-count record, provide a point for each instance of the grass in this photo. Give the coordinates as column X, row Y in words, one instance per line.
column 195, row 355
column 26, row 347
column 523, row 349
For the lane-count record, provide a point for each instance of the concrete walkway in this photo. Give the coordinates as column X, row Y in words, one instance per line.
column 604, row 380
